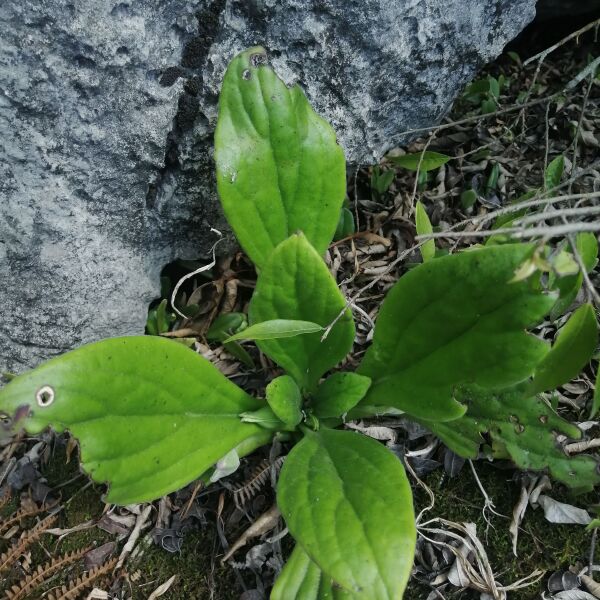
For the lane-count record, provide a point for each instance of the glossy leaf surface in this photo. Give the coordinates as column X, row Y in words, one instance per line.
column 285, row 400
column 275, row 329
column 279, row 167
column 301, row 579
column 451, row 321
column 523, row 429
column 150, row 415
column 339, row 393
column 573, row 348
column 346, row 500
column 296, row 284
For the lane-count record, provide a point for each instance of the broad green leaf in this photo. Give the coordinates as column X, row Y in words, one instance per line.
column 572, row 350
column 339, row 393
column 150, row 415
column 569, row 286
column 521, row 428
column 347, row 501
column 296, row 284
column 238, row 352
column 431, row 160
column 554, row 172
column 224, row 325
column 487, row 106
column 381, row 180
column 301, row 579
column 279, row 167
column 477, row 88
column 468, row 198
column 452, row 321
column 345, row 226
column 494, row 86
column 563, row 264
column 285, row 400
column 491, row 184
column 596, row 399
column 276, row 329
column 423, row 228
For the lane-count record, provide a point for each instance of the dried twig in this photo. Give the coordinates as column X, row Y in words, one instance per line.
column 140, row 523
column 516, row 232
column 541, row 56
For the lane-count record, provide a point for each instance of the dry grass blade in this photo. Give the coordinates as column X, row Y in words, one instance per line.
column 75, row 587
column 43, row 572
column 245, row 491
column 27, row 538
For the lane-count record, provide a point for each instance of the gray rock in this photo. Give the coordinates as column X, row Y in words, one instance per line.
column 106, row 116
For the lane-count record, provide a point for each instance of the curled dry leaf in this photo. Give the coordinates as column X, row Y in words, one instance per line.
column 560, row 512
column 264, row 523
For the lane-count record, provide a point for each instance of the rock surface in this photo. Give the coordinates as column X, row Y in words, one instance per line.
column 106, row 117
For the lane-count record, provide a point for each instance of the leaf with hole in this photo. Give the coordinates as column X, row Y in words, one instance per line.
column 150, row 415
column 276, row 329
column 452, row 321
column 572, row 350
column 339, row 393
column 412, row 162
column 347, row 501
column 279, row 167
column 424, row 228
column 521, row 428
column 296, row 284
column 285, row 400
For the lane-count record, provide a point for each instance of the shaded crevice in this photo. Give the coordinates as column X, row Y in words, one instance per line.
column 193, row 59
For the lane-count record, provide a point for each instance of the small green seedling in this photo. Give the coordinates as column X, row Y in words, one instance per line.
column 451, row 349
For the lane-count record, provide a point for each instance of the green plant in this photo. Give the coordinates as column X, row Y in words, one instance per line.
column 450, row 350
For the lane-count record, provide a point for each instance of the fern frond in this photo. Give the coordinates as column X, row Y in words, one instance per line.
column 75, row 587
column 43, row 572
column 27, row 538
column 246, row 490
column 22, row 513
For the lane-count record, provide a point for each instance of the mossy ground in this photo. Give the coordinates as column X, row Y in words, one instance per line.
column 541, row 545
column 201, row 576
